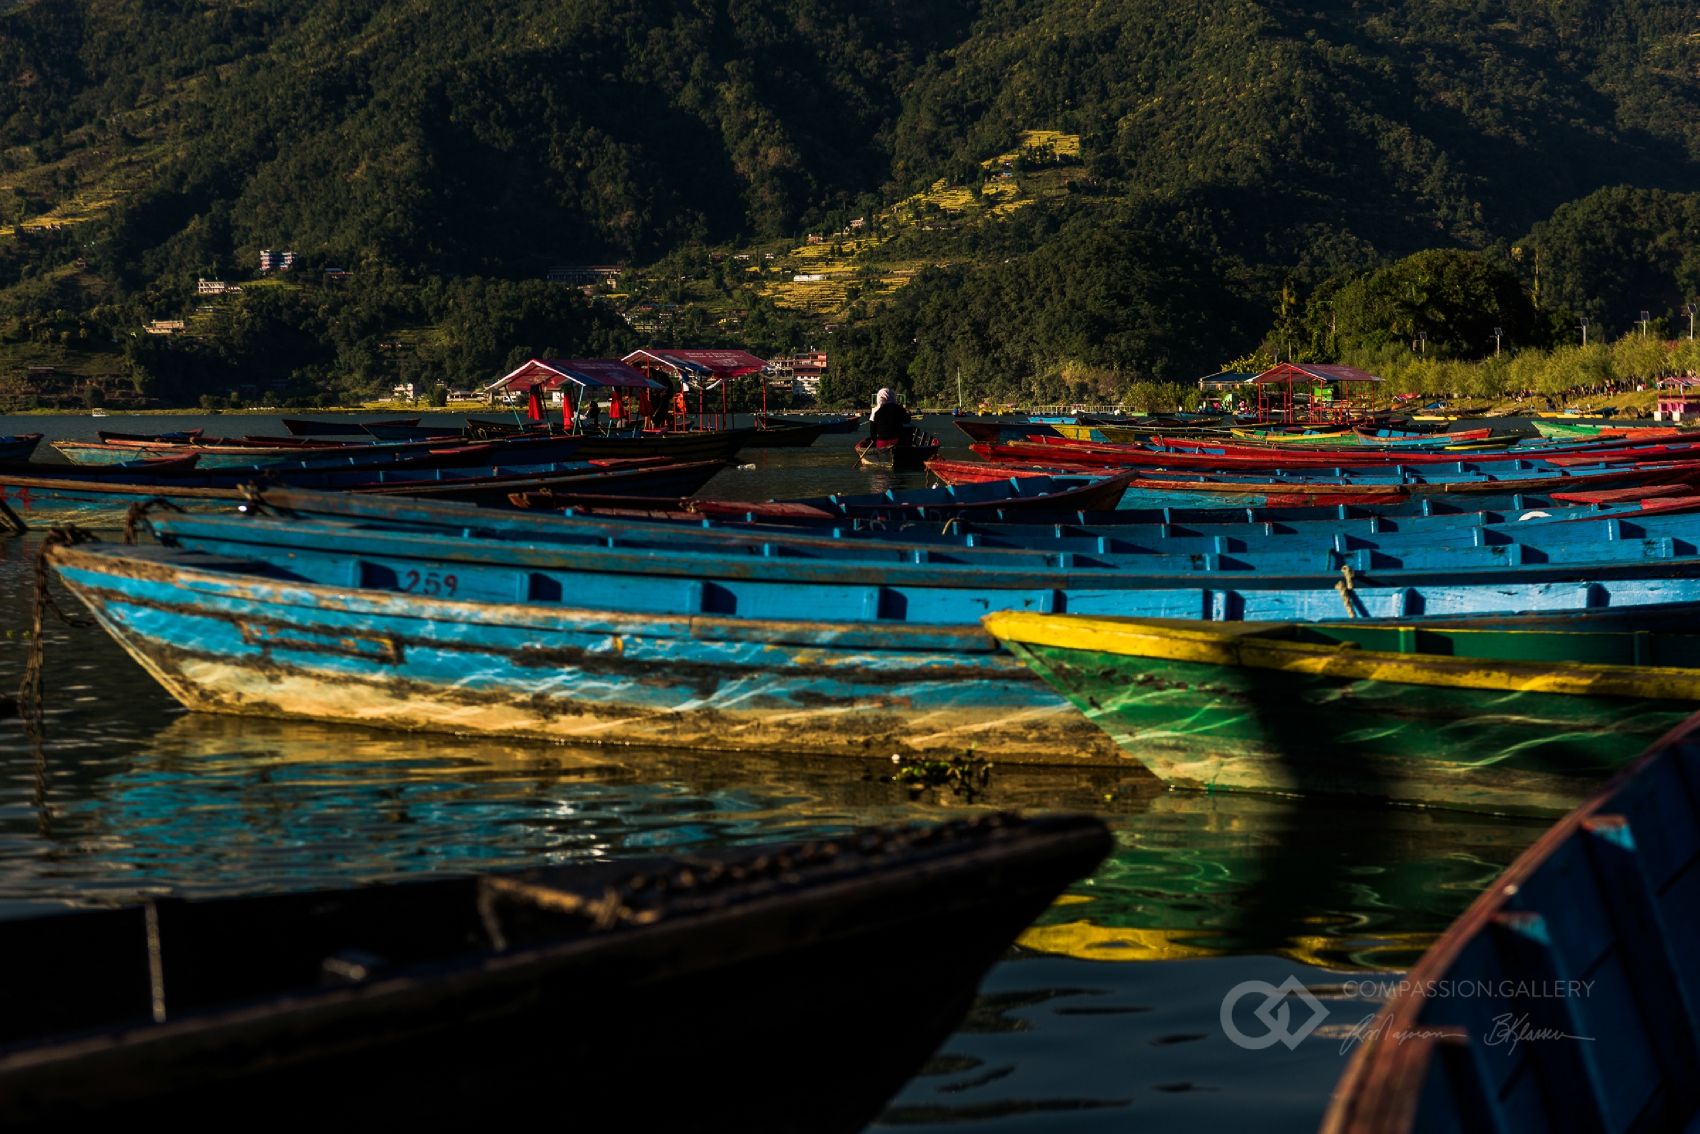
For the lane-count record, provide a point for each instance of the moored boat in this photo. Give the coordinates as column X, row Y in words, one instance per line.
column 913, row 452
column 829, row 423
column 827, row 646
column 1480, row 717
column 871, row 946
column 1565, row 996
column 17, row 448
column 339, row 427
column 770, row 434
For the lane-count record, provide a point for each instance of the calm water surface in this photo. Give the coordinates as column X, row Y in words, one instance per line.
column 1104, row 1018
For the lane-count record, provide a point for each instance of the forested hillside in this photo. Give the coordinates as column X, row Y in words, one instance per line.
column 1243, row 168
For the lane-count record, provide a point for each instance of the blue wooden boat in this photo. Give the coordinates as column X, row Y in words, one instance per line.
column 1328, row 542
column 403, row 1002
column 1567, row 997
column 639, row 645
column 1612, row 548
column 245, row 637
column 1034, row 496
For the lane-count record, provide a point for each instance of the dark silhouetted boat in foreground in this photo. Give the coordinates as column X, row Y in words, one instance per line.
column 1566, row 996
column 787, row 987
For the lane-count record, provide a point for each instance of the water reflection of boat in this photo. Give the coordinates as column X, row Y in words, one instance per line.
column 216, row 804
column 405, row 1003
column 1332, row 885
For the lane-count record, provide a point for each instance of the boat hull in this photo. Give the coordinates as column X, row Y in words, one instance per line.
column 871, row 947
column 1207, row 726
column 236, row 644
column 896, row 457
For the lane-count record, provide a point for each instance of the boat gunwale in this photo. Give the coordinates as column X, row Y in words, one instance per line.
column 1252, row 645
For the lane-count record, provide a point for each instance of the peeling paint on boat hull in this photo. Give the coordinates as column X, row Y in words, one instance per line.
column 229, row 643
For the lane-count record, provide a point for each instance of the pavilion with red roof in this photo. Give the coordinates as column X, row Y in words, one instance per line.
column 1313, row 392
column 701, row 370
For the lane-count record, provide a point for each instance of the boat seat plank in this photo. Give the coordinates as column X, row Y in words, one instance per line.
column 1653, row 969
column 1568, row 1068
column 1567, row 898
column 1659, row 813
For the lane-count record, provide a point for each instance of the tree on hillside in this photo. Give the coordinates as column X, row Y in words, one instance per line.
column 1443, row 302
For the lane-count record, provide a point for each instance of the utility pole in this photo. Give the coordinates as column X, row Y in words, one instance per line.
column 1584, row 332
column 1645, row 319
column 1422, row 343
column 1689, row 309
column 1497, row 333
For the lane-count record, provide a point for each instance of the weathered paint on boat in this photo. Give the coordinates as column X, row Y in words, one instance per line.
column 1488, row 1032
column 224, row 639
column 1509, row 720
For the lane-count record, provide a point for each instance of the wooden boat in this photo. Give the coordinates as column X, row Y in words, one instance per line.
column 16, row 449
column 46, row 493
column 835, row 967
column 1582, row 431
column 1564, row 997
column 784, row 435
column 176, row 437
column 1509, row 720
column 988, row 517
column 416, row 432
column 1186, row 453
column 1662, row 544
column 829, row 423
column 1025, row 497
column 999, row 431
column 912, row 453
column 339, row 427
column 872, row 649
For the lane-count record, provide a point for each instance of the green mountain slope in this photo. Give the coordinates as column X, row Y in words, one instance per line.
column 1234, row 155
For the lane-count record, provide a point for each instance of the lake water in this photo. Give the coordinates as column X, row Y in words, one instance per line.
column 1105, row 1017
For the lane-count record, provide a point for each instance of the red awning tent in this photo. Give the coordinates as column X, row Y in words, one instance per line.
column 1327, row 392
column 585, row 373
column 545, row 375
column 701, row 370
column 1678, row 397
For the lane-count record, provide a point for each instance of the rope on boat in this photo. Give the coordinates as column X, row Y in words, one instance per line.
column 254, row 500
column 1348, row 594
column 29, row 690
column 141, row 508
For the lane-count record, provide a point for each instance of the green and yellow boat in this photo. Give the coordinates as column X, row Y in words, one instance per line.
column 1523, row 720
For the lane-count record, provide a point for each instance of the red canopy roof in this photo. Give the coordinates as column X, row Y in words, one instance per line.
column 592, row 373
column 702, row 363
column 1291, row 372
